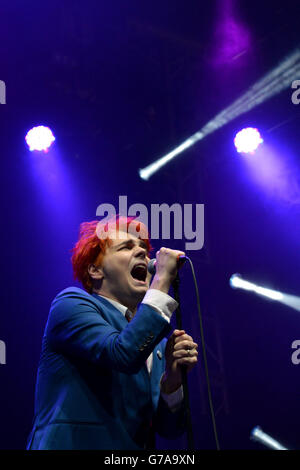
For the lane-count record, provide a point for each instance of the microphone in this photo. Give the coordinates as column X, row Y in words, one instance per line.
column 152, row 263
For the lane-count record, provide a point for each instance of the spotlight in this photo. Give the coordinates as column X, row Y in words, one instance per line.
column 247, row 140
column 39, row 138
column 237, row 282
column 258, row 435
column 271, row 84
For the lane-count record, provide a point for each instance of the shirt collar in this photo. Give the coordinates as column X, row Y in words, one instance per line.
column 124, row 310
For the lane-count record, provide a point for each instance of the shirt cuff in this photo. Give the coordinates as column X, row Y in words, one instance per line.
column 161, row 302
column 174, row 399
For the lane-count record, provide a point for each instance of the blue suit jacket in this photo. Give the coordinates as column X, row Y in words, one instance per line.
column 93, row 388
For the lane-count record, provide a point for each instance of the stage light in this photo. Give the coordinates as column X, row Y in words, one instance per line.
column 237, row 282
column 39, row 138
column 247, row 140
column 258, row 435
column 277, row 80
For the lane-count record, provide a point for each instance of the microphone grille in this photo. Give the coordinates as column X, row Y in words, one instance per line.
column 151, row 266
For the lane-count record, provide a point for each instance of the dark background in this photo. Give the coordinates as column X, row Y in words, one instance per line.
column 120, row 85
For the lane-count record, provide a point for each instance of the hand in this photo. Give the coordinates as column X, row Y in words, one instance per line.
column 180, row 351
column 166, row 268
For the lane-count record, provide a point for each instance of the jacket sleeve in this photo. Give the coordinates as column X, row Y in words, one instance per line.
column 77, row 328
column 167, row 423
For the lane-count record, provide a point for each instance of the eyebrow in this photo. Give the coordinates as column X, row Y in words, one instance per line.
column 131, row 242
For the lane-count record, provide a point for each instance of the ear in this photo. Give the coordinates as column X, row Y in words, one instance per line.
column 95, row 272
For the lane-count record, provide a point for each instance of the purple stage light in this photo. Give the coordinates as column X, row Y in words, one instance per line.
column 247, row 140
column 39, row 138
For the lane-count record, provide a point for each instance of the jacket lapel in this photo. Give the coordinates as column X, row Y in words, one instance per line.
column 158, row 368
column 110, row 313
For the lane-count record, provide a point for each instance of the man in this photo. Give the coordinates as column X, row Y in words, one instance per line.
column 107, row 377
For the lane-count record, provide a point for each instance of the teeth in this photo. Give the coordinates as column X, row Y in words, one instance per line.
column 140, row 266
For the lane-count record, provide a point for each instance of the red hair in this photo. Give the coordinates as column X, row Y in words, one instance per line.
column 90, row 247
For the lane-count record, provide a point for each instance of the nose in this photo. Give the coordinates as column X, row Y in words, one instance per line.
column 140, row 252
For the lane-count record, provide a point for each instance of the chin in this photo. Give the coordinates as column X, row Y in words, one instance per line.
column 140, row 292
column 138, row 289
column 142, row 289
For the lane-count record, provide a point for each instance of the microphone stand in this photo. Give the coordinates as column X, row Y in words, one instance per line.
column 189, row 429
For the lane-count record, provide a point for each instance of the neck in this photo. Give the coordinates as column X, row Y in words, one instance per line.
column 130, row 305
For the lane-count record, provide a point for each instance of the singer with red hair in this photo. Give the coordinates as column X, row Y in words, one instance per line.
column 108, row 378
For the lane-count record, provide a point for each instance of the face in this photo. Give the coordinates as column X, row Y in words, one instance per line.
column 124, row 270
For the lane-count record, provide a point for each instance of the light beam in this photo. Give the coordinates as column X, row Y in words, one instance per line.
column 237, row 282
column 278, row 79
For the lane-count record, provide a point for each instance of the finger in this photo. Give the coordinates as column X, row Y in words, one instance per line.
column 178, row 332
column 185, row 337
column 185, row 345
column 187, row 361
column 185, row 353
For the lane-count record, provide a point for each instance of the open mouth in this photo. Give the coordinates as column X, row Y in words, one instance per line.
column 139, row 273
